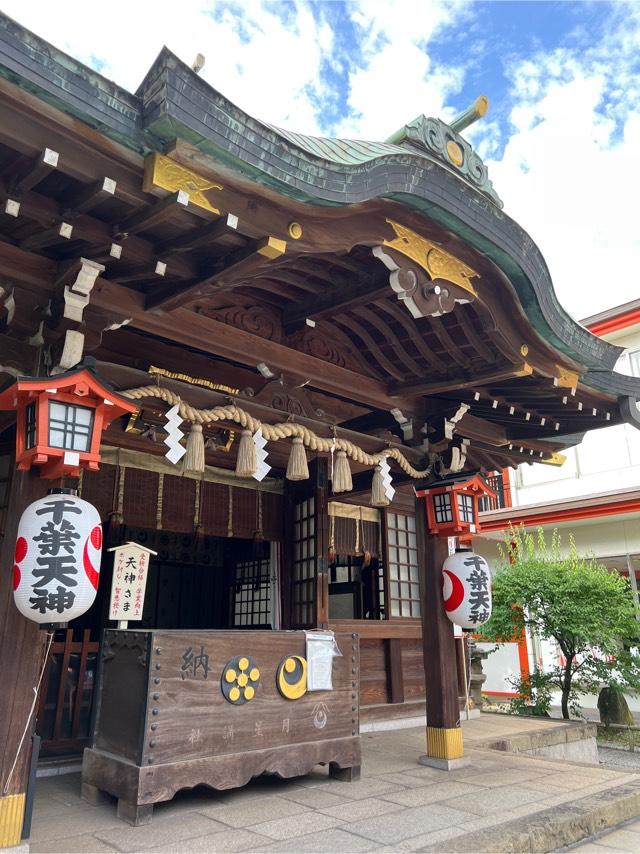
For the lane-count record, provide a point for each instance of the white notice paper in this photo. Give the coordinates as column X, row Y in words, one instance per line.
column 321, row 650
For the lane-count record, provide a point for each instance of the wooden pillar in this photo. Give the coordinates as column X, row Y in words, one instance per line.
column 444, row 734
column 21, row 650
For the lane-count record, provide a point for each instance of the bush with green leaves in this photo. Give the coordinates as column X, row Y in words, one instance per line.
column 533, row 694
column 588, row 610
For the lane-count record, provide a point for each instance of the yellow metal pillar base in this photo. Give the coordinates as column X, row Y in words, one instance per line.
column 444, row 743
column 444, row 749
column 11, row 818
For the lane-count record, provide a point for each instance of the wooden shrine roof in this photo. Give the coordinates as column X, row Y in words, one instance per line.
column 223, row 243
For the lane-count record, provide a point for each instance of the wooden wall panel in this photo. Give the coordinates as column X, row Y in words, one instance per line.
column 178, row 504
column 99, row 489
column 245, row 513
column 413, row 670
column 373, row 672
column 272, row 516
column 140, row 508
column 214, row 509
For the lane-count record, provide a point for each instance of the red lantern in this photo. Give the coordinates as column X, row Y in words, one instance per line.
column 452, row 505
column 61, row 419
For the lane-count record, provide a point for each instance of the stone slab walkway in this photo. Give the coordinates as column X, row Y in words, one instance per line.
column 501, row 802
column 625, row 838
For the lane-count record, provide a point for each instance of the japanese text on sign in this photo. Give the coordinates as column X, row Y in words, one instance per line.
column 479, row 597
column 57, row 563
column 130, row 569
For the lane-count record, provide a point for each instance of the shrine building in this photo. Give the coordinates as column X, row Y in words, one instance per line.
column 335, row 327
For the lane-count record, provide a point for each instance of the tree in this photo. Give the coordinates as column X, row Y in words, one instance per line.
column 573, row 600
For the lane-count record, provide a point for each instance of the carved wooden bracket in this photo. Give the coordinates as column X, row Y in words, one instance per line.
column 455, row 458
column 437, row 262
column 77, row 279
column 423, row 297
column 7, row 307
column 434, row 283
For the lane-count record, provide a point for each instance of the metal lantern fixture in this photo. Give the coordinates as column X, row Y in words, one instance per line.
column 61, row 419
column 452, row 505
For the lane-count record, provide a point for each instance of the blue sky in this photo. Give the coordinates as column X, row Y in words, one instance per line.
column 561, row 139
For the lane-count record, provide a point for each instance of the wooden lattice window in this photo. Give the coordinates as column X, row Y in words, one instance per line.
column 251, row 594
column 304, row 563
column 404, row 588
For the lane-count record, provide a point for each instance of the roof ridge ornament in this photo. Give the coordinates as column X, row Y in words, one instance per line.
column 443, row 141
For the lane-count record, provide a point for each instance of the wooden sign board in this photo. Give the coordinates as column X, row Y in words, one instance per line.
column 130, row 569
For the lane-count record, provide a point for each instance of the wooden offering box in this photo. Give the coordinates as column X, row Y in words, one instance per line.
column 181, row 708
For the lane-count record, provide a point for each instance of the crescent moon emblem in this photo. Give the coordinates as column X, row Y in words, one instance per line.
column 292, row 690
column 457, row 593
column 92, row 575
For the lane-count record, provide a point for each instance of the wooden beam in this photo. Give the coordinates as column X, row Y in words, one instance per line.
column 48, row 214
column 190, row 329
column 88, row 196
column 481, row 430
column 349, row 292
column 34, row 172
column 140, row 273
column 420, row 387
column 235, row 264
column 48, row 237
column 207, row 233
column 148, row 217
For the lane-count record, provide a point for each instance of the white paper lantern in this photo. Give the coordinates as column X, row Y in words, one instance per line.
column 57, row 559
column 467, row 589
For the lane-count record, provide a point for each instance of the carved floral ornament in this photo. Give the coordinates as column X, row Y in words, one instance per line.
column 447, row 280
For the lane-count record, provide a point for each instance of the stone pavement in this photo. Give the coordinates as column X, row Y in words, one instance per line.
column 502, row 801
column 625, row 838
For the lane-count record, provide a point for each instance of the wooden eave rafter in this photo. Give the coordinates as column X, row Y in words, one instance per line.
column 46, row 212
column 239, row 263
column 342, row 296
column 201, row 333
column 477, row 381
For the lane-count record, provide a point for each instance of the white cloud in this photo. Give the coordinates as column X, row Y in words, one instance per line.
column 393, row 78
column 569, row 170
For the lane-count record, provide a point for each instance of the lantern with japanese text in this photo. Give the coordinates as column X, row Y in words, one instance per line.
column 57, row 558
column 452, row 505
column 61, row 419
column 466, row 589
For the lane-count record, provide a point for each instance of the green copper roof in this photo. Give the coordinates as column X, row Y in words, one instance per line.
column 344, row 151
column 428, row 137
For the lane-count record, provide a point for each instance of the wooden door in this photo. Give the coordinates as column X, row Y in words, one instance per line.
column 308, row 546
